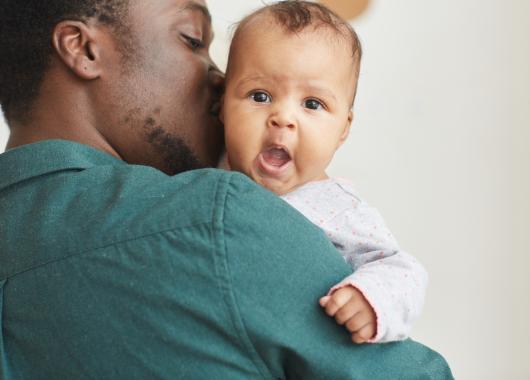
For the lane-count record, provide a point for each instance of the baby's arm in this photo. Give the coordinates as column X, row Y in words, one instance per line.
column 391, row 283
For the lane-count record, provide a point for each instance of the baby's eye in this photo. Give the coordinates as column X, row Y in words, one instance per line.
column 312, row 104
column 260, row 97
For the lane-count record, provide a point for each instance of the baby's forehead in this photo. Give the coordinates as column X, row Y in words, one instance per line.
column 263, row 24
column 262, row 35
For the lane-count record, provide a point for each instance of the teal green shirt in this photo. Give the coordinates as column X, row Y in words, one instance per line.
column 116, row 271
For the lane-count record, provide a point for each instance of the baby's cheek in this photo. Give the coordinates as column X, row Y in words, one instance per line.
column 319, row 150
column 239, row 155
column 310, row 166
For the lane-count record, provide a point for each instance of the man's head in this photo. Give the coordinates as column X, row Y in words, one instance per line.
column 135, row 75
column 291, row 82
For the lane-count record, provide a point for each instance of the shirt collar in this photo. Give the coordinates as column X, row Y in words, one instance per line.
column 49, row 156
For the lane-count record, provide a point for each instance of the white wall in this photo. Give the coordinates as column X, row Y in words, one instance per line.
column 442, row 120
column 439, row 146
column 3, row 133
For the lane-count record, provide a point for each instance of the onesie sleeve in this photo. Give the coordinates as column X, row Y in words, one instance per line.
column 393, row 282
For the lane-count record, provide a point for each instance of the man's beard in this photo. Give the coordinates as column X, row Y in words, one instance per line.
column 176, row 154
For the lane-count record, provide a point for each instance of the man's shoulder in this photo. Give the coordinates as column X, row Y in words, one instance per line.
column 194, row 197
column 183, row 199
column 69, row 212
column 265, row 223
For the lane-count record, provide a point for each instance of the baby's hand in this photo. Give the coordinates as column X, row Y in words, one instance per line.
column 350, row 308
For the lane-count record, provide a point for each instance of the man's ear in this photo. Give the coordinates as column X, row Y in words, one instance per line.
column 75, row 44
column 347, row 128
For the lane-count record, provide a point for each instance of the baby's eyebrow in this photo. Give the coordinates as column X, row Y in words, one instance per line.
column 320, row 90
column 254, row 78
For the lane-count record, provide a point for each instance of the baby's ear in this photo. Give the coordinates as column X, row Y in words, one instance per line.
column 347, row 128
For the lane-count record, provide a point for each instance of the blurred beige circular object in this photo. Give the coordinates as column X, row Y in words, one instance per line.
column 347, row 9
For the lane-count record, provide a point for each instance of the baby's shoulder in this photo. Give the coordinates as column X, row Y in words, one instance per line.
column 332, row 195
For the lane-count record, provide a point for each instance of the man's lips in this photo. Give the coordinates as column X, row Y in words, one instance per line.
column 215, row 108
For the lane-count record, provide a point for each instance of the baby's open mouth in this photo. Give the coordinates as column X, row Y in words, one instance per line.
column 276, row 156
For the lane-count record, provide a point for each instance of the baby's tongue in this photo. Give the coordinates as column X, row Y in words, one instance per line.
column 276, row 157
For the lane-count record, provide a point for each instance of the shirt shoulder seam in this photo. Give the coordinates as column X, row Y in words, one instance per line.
column 97, row 248
column 229, row 296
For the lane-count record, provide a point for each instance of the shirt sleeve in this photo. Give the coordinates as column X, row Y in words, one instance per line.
column 277, row 265
column 392, row 281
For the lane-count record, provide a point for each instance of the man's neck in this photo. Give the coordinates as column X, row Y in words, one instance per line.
column 60, row 112
column 32, row 133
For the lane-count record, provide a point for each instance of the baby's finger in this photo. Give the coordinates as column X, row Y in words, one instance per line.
column 364, row 334
column 347, row 312
column 357, row 339
column 337, row 300
column 358, row 321
column 324, row 300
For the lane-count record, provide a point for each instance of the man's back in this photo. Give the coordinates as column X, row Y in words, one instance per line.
column 109, row 270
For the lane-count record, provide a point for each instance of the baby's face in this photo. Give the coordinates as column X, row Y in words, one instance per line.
column 287, row 105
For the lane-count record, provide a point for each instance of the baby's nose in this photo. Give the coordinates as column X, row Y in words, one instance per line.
column 282, row 119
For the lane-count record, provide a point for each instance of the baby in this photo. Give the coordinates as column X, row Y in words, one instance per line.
column 290, row 86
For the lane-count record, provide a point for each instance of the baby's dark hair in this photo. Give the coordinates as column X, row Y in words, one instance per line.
column 26, row 28
column 296, row 15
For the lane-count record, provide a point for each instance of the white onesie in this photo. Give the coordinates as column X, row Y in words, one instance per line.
column 392, row 281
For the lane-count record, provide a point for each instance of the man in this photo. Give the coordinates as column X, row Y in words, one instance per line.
column 113, row 270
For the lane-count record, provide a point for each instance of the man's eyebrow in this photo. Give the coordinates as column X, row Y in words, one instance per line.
column 194, row 6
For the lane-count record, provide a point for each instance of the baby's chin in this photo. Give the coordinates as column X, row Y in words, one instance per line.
column 277, row 187
column 284, row 187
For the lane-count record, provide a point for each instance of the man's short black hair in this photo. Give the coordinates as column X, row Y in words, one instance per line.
column 26, row 28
